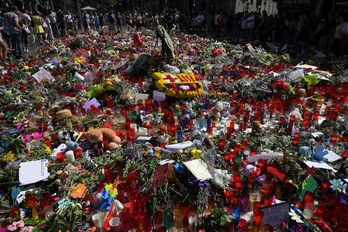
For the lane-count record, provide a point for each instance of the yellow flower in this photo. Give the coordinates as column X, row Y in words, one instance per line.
column 9, row 157
column 26, row 67
column 47, row 149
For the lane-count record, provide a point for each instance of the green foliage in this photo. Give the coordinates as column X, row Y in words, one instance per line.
column 218, row 219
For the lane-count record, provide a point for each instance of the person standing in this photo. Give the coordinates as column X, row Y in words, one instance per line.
column 250, row 26
column 112, row 21
column 61, row 23
column 96, row 21
column 3, row 49
column 85, row 22
column 69, row 21
column 47, row 27
column 25, row 32
column 54, row 25
column 15, row 30
column 38, row 28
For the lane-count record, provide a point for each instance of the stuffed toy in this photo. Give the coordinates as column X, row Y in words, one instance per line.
column 99, row 135
column 215, row 112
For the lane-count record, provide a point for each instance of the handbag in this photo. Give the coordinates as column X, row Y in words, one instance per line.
column 27, row 30
column 43, row 23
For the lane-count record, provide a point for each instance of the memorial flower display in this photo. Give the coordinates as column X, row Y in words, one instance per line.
column 99, row 133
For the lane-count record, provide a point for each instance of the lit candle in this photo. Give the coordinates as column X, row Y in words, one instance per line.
column 70, row 156
column 291, row 124
column 222, row 144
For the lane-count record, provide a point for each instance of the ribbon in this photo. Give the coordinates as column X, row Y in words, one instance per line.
column 106, row 200
column 197, row 183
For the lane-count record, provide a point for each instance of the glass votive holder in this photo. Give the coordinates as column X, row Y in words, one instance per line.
column 115, row 224
column 96, row 220
column 308, row 210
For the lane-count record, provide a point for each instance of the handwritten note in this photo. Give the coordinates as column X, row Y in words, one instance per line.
column 42, row 75
column 93, row 101
column 276, row 214
column 199, row 169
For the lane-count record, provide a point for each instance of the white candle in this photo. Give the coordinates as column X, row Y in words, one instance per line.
column 70, row 157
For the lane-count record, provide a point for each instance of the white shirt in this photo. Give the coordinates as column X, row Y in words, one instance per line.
column 26, row 18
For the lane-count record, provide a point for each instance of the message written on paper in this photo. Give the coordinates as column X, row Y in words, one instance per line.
column 160, row 175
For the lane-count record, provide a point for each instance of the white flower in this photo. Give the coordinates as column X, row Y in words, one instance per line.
column 294, row 216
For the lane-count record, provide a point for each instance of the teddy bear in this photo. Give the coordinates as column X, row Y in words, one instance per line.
column 215, row 112
column 99, row 135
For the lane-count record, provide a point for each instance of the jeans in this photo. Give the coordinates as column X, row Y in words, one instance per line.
column 16, row 42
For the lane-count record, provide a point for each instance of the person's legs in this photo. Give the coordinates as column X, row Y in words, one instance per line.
column 3, row 52
column 19, row 45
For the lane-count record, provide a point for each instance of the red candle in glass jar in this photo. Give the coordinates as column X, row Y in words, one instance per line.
column 131, row 135
column 297, row 135
column 222, row 144
column 261, row 163
column 30, row 200
column 291, row 124
column 229, row 133
column 244, row 144
column 308, row 197
column 236, row 148
column 325, row 185
column 333, row 139
column 295, row 142
column 281, row 120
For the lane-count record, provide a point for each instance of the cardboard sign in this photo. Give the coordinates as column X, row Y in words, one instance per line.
column 311, row 186
column 33, row 172
column 276, row 214
column 160, row 175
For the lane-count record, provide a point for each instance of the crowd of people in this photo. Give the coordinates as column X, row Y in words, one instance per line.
column 329, row 35
column 300, row 31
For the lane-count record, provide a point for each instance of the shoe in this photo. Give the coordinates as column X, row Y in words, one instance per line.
column 26, row 51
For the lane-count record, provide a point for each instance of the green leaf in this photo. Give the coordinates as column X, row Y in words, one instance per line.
column 311, row 79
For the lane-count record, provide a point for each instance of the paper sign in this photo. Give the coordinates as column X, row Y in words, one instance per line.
column 140, row 96
column 276, row 214
column 33, row 171
column 199, row 169
column 317, row 134
column 311, row 186
column 316, row 164
column 42, row 75
column 306, row 66
column 160, row 175
column 93, row 101
column 159, row 96
column 179, row 146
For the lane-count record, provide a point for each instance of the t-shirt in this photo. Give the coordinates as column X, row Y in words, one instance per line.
column 26, row 18
column 53, row 17
column 10, row 19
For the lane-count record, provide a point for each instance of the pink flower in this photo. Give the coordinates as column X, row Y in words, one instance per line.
column 19, row 223
column 12, row 227
column 27, row 229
